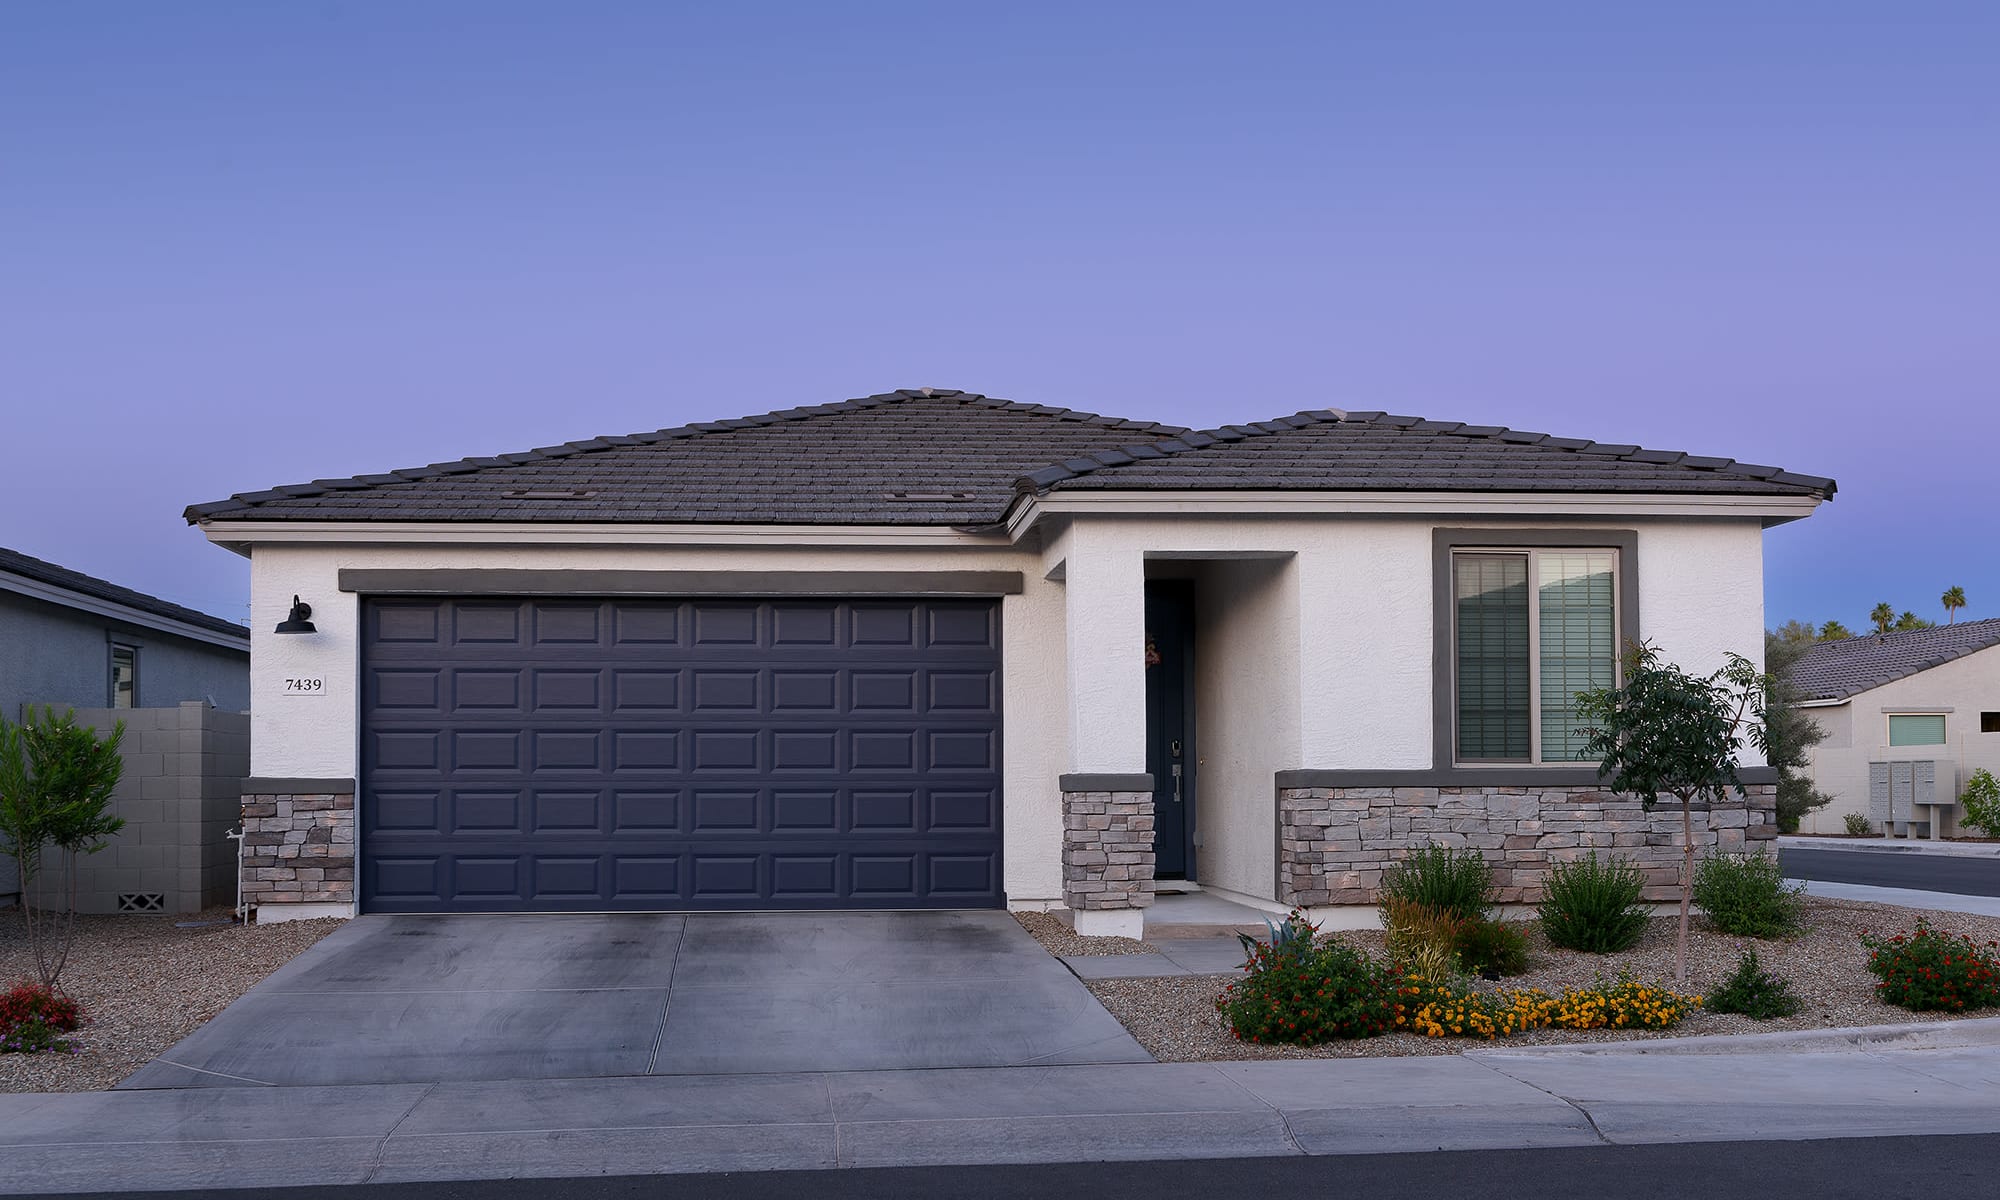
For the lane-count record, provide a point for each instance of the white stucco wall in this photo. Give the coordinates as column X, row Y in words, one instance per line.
column 1325, row 664
column 1860, row 733
column 1362, row 678
column 319, row 736
column 1247, row 707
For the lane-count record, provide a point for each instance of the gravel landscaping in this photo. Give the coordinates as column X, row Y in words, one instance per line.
column 1175, row 1018
column 144, row 983
column 1059, row 939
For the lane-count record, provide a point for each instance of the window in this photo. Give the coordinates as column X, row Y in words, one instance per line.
column 124, row 677
column 1531, row 629
column 1916, row 729
column 1989, row 722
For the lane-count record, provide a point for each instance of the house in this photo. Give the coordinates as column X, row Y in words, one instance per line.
column 931, row 648
column 180, row 681
column 75, row 641
column 1916, row 695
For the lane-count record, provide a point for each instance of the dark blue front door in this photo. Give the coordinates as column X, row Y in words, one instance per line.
column 1169, row 748
column 618, row 755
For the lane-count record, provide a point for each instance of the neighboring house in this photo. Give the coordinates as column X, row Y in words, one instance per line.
column 931, row 649
column 72, row 640
column 180, row 679
column 1916, row 695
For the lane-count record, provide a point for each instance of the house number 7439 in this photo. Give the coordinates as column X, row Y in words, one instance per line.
column 308, row 686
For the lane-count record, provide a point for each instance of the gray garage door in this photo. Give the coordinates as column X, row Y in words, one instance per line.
column 582, row 756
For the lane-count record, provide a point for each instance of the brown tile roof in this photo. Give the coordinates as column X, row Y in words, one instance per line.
column 939, row 457
column 1837, row 670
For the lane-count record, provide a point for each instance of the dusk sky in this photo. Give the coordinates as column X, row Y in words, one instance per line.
column 248, row 244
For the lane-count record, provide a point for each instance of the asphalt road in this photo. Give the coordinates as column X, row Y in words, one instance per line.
column 1962, row 876
column 1861, row 1168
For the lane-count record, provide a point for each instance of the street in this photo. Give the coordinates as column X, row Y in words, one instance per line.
column 1962, row 875
column 1862, row 1168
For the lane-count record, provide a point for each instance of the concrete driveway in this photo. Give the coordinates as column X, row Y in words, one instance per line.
column 420, row 999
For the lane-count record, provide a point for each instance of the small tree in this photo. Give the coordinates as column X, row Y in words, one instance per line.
column 1953, row 599
column 1981, row 798
column 1672, row 733
column 1789, row 732
column 1883, row 615
column 56, row 778
column 1834, row 631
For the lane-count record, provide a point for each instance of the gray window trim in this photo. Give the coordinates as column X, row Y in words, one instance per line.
column 1445, row 769
column 529, row 582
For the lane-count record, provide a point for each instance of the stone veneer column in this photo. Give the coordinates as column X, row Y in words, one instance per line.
column 1335, row 842
column 298, row 846
column 1108, row 860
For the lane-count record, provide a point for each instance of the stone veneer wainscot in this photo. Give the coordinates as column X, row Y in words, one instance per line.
column 298, row 847
column 1107, row 850
column 1334, row 842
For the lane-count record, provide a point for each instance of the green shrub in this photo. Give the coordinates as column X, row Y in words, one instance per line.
column 1305, row 990
column 1492, row 948
column 1929, row 971
column 1753, row 991
column 1453, row 881
column 1858, row 825
column 1595, row 906
column 1981, row 799
column 1745, row 894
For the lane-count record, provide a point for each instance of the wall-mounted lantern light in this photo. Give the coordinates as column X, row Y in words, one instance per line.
column 300, row 620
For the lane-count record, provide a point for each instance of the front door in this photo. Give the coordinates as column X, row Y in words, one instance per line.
column 1169, row 740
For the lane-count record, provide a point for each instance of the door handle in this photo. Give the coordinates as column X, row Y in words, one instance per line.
column 1177, row 783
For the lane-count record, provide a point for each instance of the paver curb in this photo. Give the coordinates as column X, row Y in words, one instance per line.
column 1925, row 1035
column 1891, row 846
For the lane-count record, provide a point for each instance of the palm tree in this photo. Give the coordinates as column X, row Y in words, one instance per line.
column 1954, row 599
column 1883, row 615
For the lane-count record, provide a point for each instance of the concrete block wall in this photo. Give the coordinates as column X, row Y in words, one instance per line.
column 180, row 795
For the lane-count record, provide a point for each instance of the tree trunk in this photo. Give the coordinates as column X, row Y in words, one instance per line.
column 1687, row 894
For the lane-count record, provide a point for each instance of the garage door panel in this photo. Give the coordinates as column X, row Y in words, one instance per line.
column 589, row 756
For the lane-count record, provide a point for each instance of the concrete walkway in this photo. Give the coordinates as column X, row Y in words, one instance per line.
column 1923, row 1079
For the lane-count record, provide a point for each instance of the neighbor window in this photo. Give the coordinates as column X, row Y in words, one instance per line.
column 124, row 677
column 1916, row 729
column 1989, row 722
column 1531, row 629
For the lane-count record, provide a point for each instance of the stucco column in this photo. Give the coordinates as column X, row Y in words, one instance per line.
column 1107, row 801
column 1105, row 615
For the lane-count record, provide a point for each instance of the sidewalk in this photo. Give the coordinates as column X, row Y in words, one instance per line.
column 1941, row 1078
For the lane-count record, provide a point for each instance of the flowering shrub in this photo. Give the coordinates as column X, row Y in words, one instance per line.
column 33, row 1018
column 1927, row 970
column 1306, row 990
column 1626, row 1004
column 1449, row 1010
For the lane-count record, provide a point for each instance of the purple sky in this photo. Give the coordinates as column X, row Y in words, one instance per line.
column 246, row 244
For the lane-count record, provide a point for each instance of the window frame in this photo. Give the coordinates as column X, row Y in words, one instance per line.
column 1447, row 544
column 1536, row 706
column 1889, row 727
column 111, row 672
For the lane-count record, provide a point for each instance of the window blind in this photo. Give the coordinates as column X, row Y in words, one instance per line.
column 1493, row 662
